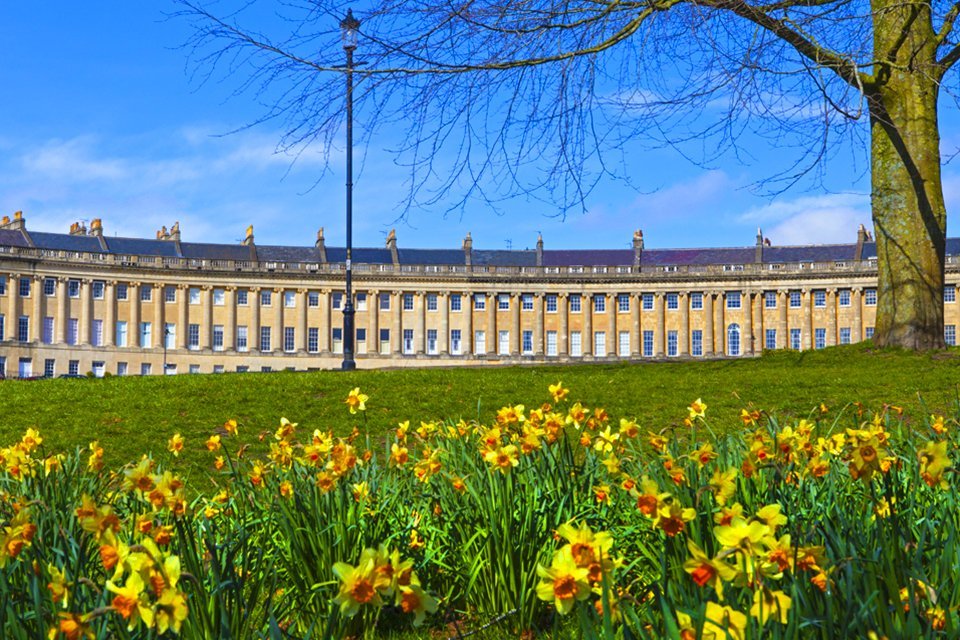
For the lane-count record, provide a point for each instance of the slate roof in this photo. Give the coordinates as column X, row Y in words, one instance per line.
column 670, row 257
column 431, row 256
column 503, row 258
column 142, row 247
column 65, row 242
column 212, row 251
column 10, row 238
column 813, row 253
column 361, row 255
column 274, row 253
column 588, row 257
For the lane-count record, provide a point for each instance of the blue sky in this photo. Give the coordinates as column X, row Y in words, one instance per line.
column 101, row 119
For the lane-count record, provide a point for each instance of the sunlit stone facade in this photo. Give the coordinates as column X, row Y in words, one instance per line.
column 84, row 301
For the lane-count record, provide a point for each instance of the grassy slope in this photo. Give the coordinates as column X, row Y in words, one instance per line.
column 134, row 415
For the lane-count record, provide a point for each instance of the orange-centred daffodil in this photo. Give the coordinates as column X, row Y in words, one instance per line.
column 563, row 582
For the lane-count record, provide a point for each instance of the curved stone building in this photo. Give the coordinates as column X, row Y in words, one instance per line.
column 84, row 301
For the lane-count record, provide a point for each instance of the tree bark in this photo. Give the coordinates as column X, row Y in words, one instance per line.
column 909, row 214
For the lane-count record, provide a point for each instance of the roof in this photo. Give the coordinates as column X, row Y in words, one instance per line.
column 12, row 238
column 209, row 251
column 431, row 256
column 588, row 257
column 65, row 242
column 361, row 255
column 504, row 258
column 142, row 247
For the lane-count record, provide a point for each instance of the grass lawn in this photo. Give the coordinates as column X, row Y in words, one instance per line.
column 133, row 415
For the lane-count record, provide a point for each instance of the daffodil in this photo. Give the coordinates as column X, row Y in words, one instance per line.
column 356, row 401
column 414, row 600
column 503, row 459
column 934, row 461
column 130, row 602
column 723, row 623
column 724, row 484
column 706, row 570
column 356, row 586
column 767, row 604
column 213, row 443
column 563, row 582
column 175, row 444
column 697, row 409
column 557, row 391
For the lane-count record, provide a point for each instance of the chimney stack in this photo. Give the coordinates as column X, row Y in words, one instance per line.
column 637, row 247
column 539, row 250
column 392, row 246
column 758, row 252
column 468, row 250
column 96, row 227
column 862, row 238
column 321, row 246
column 248, row 241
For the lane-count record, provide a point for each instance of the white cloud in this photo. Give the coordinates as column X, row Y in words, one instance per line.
column 826, row 219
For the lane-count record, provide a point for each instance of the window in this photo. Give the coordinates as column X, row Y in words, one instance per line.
column 844, row 297
column 431, row 302
column 146, row 293
column 770, row 299
column 503, row 302
column 456, row 304
column 868, row 332
column 733, row 339
column 146, row 339
column 313, row 299
column 844, row 335
column 49, row 368
column 696, row 342
column 361, row 302
column 673, row 302
column 733, row 300
column 408, row 302
column 575, row 303
column 122, row 291
column 361, row 342
column 950, row 293
column 289, row 339
column 408, row 341
column 527, row 342
column 194, row 295
column 169, row 335
column 3, row 285
column 193, row 336
column 146, row 369
column 576, row 348
column 218, row 337
column 599, row 344
column 242, row 297
column 219, row 297
column 551, row 303
column 455, row 342
column 648, row 343
column 96, row 333
column 170, row 294
column 73, row 289
column 73, row 331
column 313, row 339
column 551, row 343
column 794, row 299
column 624, row 344
column 384, row 302
column 950, row 334
column 480, row 342
column 599, row 303
column 795, row 339
column 98, row 289
column 99, row 368
column 479, row 301
column 24, row 287
column 121, row 334
column 290, row 299
column 696, row 300
column 385, row 341
column 73, row 367
column 432, row 342
column 623, row 303
column 47, row 336
column 194, row 368
column 770, row 339
column 218, row 368
column 1, row 326
column 820, row 299
column 819, row 338
column 49, row 286
column 25, row 369
column 647, row 302
column 504, row 343
column 121, row 368
column 242, row 338
column 526, row 302
column 266, row 298
column 870, row 297
column 672, row 343
column 265, row 338
column 242, row 368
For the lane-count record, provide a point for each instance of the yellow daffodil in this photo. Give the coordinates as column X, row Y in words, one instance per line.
column 230, row 426
column 356, row 586
column 414, row 600
column 563, row 582
column 503, row 459
column 175, row 444
column 697, row 408
column 213, row 443
column 356, row 401
column 724, row 485
column 934, row 462
column 707, row 571
column 130, row 602
column 723, row 623
column 767, row 604
column 557, row 391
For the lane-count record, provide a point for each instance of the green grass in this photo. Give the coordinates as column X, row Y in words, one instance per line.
column 133, row 415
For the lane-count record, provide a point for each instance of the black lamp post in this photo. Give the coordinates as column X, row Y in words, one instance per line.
column 166, row 332
column 349, row 27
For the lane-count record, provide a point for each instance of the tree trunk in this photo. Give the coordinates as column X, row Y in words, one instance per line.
column 909, row 215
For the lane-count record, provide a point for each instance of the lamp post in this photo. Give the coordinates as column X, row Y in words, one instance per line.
column 348, row 32
column 166, row 332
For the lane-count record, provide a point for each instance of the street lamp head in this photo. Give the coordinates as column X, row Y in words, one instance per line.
column 349, row 28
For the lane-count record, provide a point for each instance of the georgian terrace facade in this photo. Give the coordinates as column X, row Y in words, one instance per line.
column 83, row 302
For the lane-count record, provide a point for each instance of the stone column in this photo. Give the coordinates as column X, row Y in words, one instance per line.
column 857, row 302
column 515, row 324
column 635, row 335
column 230, row 327
column 613, row 339
column 660, row 335
column 36, row 328
column 396, row 333
column 719, row 324
column 110, row 314
column 443, row 334
column 747, row 336
column 708, row 349
column 538, row 319
column 420, row 322
column 373, row 322
column 13, row 315
column 206, row 323
column 466, row 344
column 133, row 300
column 85, row 303
column 683, row 346
column 783, row 328
column 831, row 317
column 62, row 320
column 563, row 333
column 759, row 341
column 586, row 333
column 806, row 314
column 159, row 305
column 276, row 338
column 253, row 332
column 493, row 342
column 182, row 321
